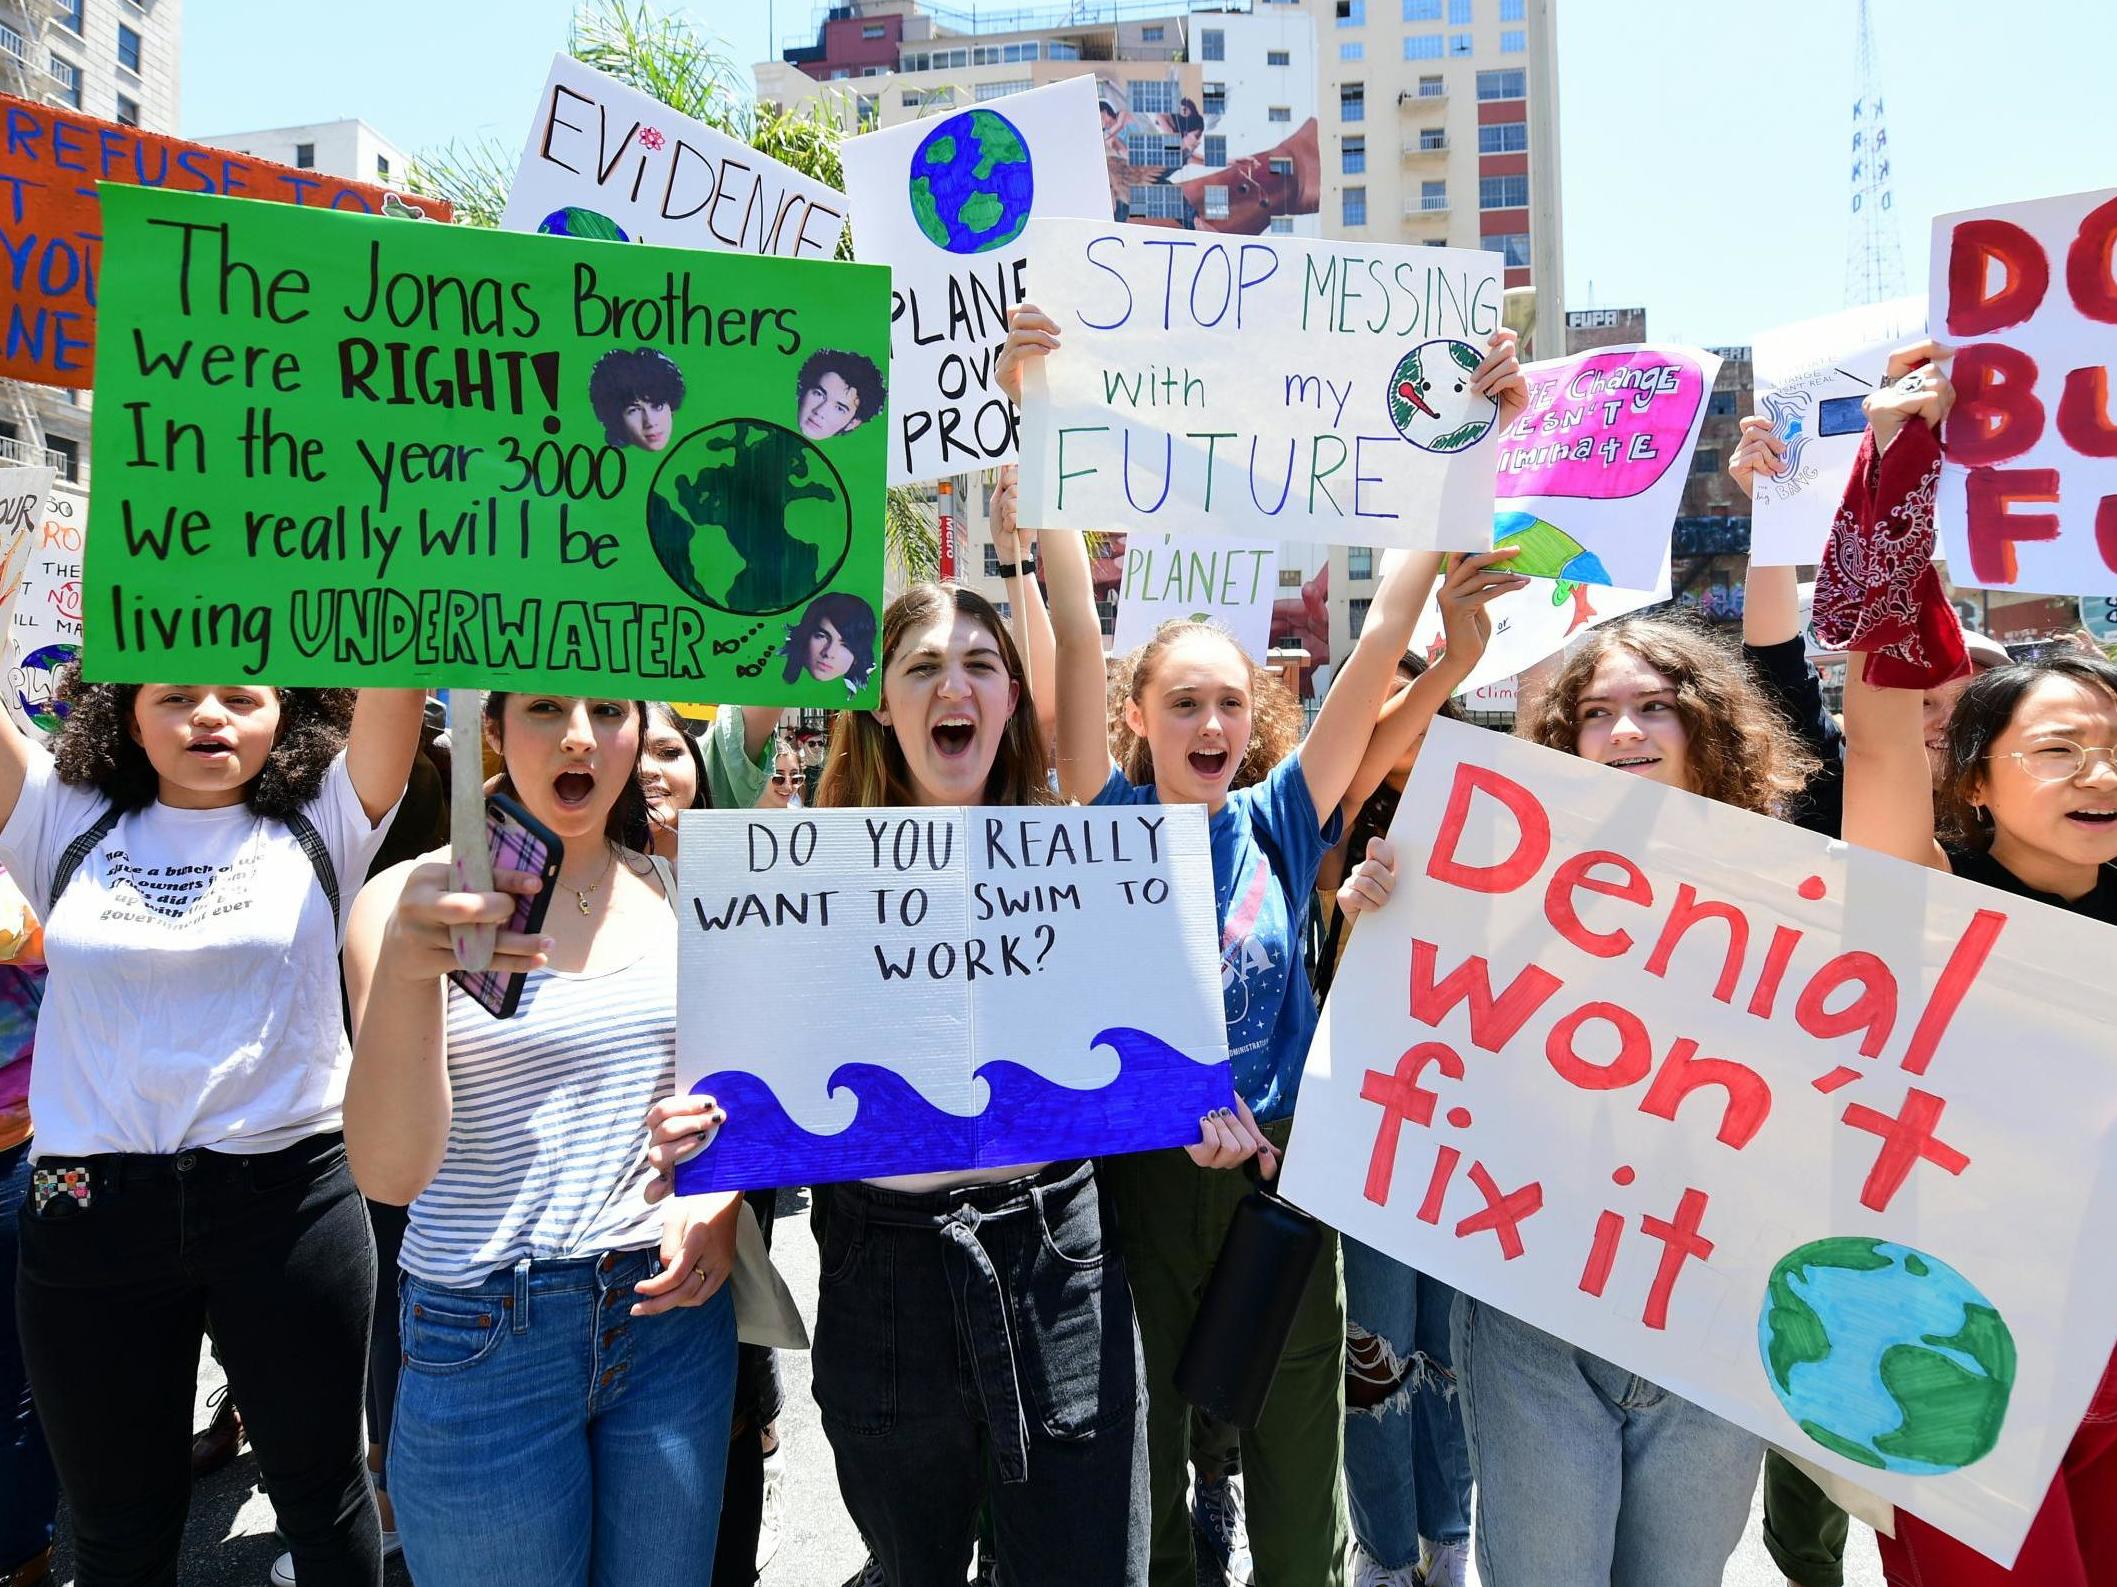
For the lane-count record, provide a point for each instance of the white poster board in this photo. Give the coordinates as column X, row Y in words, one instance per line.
column 976, row 988
column 943, row 202
column 1811, row 380
column 1591, row 473
column 1272, row 387
column 2026, row 295
column 604, row 161
column 1812, row 1137
column 44, row 623
column 1195, row 578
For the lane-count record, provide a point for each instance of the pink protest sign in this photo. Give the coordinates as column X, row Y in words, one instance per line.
column 1591, row 473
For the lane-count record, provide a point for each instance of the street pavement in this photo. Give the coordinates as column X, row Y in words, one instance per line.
column 230, row 1537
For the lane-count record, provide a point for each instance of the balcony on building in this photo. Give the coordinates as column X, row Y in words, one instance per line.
column 1428, row 143
column 1431, row 92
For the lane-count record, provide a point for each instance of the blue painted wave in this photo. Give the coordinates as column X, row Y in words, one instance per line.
column 1156, row 1099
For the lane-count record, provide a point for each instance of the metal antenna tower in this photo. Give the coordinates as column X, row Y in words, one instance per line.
column 1874, row 253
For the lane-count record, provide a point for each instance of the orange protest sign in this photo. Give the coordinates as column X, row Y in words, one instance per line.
column 51, row 221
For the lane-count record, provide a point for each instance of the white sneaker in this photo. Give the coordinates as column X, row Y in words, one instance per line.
column 1216, row 1521
column 1368, row 1572
column 771, row 1523
column 1444, row 1564
column 283, row 1567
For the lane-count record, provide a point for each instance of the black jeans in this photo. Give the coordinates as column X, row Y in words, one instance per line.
column 113, row 1299
column 758, row 1399
column 977, row 1346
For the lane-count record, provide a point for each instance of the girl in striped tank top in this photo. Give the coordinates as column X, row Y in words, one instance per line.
column 569, row 1349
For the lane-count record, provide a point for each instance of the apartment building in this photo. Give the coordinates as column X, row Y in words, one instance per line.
column 111, row 58
column 350, row 149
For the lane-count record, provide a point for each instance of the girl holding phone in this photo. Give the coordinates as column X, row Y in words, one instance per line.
column 551, row 1317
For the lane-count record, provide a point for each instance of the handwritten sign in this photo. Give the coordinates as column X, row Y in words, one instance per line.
column 2026, row 294
column 980, row 987
column 23, row 492
column 51, row 220
column 1187, row 578
column 1271, row 387
column 336, row 450
column 606, row 163
column 1812, row 378
column 1591, row 474
column 44, row 627
column 1741, row 1109
column 944, row 202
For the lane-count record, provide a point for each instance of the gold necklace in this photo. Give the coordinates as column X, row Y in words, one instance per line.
column 581, row 896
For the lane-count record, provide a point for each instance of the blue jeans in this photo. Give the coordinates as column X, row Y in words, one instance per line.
column 1407, row 1467
column 29, row 1488
column 1587, row 1475
column 543, row 1434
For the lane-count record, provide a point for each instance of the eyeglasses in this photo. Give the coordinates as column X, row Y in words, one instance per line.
column 786, row 776
column 2061, row 760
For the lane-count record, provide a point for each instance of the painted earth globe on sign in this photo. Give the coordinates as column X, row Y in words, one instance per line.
column 1430, row 400
column 748, row 517
column 1885, row 1355
column 971, row 183
column 573, row 221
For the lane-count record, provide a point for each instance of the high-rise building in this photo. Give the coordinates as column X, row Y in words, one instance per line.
column 351, row 149
column 116, row 59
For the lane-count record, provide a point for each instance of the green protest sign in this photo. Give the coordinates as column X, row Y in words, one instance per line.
column 336, row 449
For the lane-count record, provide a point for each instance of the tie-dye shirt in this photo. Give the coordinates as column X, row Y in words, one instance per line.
column 1271, row 1012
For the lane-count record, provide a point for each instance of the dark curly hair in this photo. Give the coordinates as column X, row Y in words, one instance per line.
column 1275, row 715
column 628, row 825
column 625, row 375
column 96, row 749
column 1741, row 750
column 1983, row 712
column 857, row 370
column 855, row 621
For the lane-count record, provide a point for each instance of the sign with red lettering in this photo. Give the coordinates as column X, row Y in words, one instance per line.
column 51, row 221
column 1812, row 1137
column 2026, row 294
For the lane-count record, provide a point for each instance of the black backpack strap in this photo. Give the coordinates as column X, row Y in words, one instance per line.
column 312, row 845
column 74, row 853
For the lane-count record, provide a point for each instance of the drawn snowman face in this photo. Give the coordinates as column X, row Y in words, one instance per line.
column 1431, row 401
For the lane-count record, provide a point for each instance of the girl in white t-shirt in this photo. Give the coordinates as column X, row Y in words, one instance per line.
column 189, row 847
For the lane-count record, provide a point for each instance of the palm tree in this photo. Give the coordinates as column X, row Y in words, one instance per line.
column 670, row 59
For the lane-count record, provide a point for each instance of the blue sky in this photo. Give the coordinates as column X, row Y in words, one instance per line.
column 1704, row 144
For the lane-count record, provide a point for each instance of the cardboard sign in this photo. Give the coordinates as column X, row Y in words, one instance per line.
column 1273, row 387
column 607, row 163
column 944, row 203
column 1811, row 380
column 1591, row 474
column 334, row 450
column 981, row 987
column 52, row 224
column 2026, row 294
column 23, row 493
column 1187, row 578
column 1535, row 622
column 1805, row 1134
column 44, row 626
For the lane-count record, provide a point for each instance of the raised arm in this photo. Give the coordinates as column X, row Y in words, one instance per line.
column 1888, row 785
column 1771, row 596
column 379, row 752
column 1015, row 547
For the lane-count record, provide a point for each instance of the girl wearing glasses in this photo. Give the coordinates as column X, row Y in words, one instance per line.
column 2028, row 794
column 787, row 787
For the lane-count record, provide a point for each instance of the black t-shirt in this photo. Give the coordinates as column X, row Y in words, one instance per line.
column 2101, row 904
column 1790, row 683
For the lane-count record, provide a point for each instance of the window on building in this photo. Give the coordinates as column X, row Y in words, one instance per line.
column 1151, row 98
column 68, row 77
column 1153, row 149
column 1502, row 192
column 992, row 560
column 1433, row 137
column 129, row 48
column 1422, row 10
column 1461, row 44
column 873, row 30
column 1282, row 225
column 1706, row 460
column 1503, row 137
column 1285, row 113
column 840, row 73
column 1215, row 99
column 305, row 156
column 1513, row 41
column 1153, row 33
column 1058, row 50
column 382, row 168
column 1216, row 202
column 1353, row 51
column 1433, row 195
column 1278, row 57
column 1212, row 44
column 1432, row 88
column 874, row 71
column 1509, row 83
column 1352, row 101
column 1352, row 13
column 1281, row 166
column 1290, row 578
column 1355, row 156
column 1513, row 245
column 1721, row 404
column 911, row 99
column 1459, row 13
column 128, row 112
column 1215, row 149
column 1356, row 206
column 1356, row 614
column 1513, row 10
column 69, row 451
column 867, row 108
column 1422, row 46
column 68, row 14
column 1359, row 562
column 1157, row 201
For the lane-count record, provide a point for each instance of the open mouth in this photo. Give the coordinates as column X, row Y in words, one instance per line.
column 952, row 737
column 1634, row 762
column 1208, row 763
column 210, row 749
column 2093, row 818
column 573, row 788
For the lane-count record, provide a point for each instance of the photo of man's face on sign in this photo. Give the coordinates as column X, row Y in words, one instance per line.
column 834, row 639
column 837, row 392
column 635, row 392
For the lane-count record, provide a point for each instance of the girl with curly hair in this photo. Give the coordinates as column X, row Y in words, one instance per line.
column 190, row 848
column 1194, row 715
column 550, row 1313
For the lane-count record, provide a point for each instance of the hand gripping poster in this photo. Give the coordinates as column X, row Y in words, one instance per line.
column 1816, row 1139
column 978, row 988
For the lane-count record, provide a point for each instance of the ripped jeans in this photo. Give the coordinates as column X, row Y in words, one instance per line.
column 1407, row 1465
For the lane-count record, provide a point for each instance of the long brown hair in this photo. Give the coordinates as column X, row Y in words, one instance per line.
column 1741, row 750
column 1275, row 715
column 865, row 765
column 628, row 824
